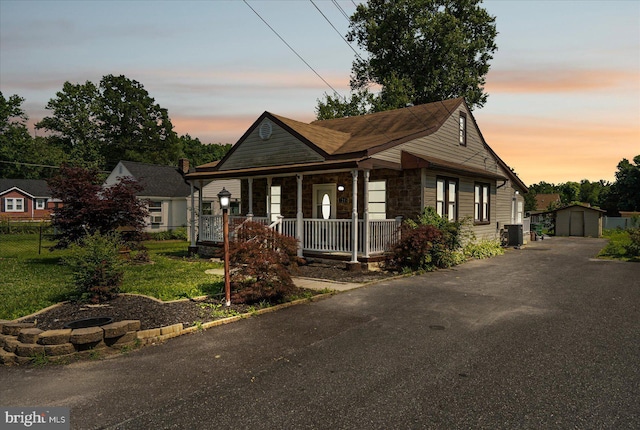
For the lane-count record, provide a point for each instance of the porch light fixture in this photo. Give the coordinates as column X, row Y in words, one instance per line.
column 340, row 187
column 225, row 197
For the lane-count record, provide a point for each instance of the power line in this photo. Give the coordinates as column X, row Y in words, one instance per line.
column 333, row 26
column 335, row 2
column 291, row 48
column 18, row 163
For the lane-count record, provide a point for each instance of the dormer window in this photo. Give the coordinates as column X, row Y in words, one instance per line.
column 463, row 129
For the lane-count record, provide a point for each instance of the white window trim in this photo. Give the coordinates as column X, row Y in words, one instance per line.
column 482, row 206
column 14, row 204
column 41, row 204
column 444, row 204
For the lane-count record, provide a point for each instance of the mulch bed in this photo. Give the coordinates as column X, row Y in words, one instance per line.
column 154, row 314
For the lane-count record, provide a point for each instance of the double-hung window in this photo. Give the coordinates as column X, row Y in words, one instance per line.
column 41, row 204
column 447, row 198
column 12, row 204
column 481, row 203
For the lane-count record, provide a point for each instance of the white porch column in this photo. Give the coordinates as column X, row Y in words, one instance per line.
column 423, row 185
column 250, row 213
column 200, row 202
column 269, row 181
column 367, row 232
column 299, row 217
column 354, row 218
column 193, row 216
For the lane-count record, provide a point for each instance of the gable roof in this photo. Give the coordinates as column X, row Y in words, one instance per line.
column 544, row 200
column 32, row 187
column 378, row 131
column 354, row 139
column 157, row 180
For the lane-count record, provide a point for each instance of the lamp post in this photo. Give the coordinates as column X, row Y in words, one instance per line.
column 224, row 197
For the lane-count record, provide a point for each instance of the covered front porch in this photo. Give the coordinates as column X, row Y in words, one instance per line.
column 314, row 208
column 329, row 238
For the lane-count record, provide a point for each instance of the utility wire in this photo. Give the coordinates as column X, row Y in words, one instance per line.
column 291, row 48
column 335, row 2
column 337, row 31
column 18, row 163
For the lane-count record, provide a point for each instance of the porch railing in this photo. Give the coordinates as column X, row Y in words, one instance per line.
column 318, row 235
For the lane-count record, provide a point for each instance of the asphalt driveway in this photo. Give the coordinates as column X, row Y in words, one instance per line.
column 542, row 337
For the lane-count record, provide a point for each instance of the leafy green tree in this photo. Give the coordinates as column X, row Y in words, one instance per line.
column 420, row 51
column 23, row 156
column 134, row 127
column 569, row 192
column 198, row 153
column 74, row 125
column 627, row 185
column 358, row 103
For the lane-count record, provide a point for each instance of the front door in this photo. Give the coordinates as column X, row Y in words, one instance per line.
column 324, row 201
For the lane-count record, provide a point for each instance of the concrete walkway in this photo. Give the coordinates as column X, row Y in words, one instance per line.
column 310, row 283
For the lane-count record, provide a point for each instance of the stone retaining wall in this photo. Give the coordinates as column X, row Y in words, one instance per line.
column 22, row 343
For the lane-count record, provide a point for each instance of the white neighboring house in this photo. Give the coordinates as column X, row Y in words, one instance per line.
column 165, row 190
column 169, row 195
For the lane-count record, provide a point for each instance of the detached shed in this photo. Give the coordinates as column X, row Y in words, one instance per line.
column 578, row 220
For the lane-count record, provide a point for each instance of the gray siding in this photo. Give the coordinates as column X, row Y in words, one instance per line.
column 280, row 148
column 444, row 145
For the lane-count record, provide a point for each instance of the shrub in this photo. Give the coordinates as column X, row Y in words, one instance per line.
column 483, row 249
column 633, row 247
column 417, row 248
column 179, row 233
column 96, row 267
column 429, row 242
column 260, row 258
column 88, row 207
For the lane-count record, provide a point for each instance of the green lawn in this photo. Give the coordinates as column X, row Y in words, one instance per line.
column 619, row 240
column 31, row 282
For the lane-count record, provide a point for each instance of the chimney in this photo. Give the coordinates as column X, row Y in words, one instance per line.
column 183, row 166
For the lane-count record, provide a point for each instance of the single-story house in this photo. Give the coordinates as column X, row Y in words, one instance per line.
column 26, row 199
column 164, row 188
column 169, row 196
column 342, row 186
column 578, row 220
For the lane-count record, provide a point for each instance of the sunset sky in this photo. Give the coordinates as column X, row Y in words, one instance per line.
column 564, row 86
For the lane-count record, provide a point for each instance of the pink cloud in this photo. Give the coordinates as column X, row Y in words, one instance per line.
column 544, row 149
column 557, row 81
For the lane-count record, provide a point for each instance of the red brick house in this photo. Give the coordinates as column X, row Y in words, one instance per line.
column 341, row 186
column 25, row 199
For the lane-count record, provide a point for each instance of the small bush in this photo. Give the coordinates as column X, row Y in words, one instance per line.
column 429, row 242
column 415, row 248
column 619, row 240
column 483, row 249
column 260, row 259
column 96, row 267
column 633, row 247
column 179, row 233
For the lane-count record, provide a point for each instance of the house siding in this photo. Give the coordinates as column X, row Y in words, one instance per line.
column 29, row 211
column 281, row 148
column 444, row 144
